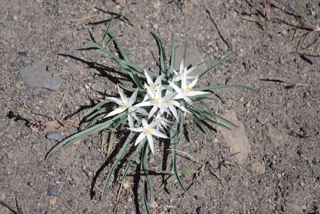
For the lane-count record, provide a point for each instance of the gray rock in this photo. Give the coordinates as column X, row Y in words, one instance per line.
column 53, row 190
column 54, row 136
column 192, row 57
column 72, row 202
column 201, row 210
column 36, row 75
column 76, row 95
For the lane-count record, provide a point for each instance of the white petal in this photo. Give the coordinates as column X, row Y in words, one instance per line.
column 175, row 87
column 196, row 93
column 116, row 111
column 158, row 134
column 174, row 111
column 147, row 103
column 193, row 83
column 140, row 138
column 149, row 80
column 115, row 100
column 140, row 129
column 145, row 124
column 130, row 121
column 150, row 141
column 133, row 97
column 123, row 96
column 153, row 110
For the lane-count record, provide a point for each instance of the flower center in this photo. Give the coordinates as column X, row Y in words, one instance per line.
column 155, row 100
column 153, row 86
column 125, row 105
column 170, row 101
column 148, row 132
column 188, row 89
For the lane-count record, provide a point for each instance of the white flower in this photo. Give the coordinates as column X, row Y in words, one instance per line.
column 183, row 72
column 148, row 130
column 124, row 104
column 153, row 84
column 171, row 103
column 186, row 89
column 154, row 99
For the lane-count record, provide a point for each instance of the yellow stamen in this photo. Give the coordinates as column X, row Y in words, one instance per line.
column 170, row 101
column 188, row 89
column 124, row 105
column 155, row 100
column 153, row 86
column 148, row 132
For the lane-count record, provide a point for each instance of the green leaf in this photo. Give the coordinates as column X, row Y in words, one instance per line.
column 115, row 164
column 173, row 144
column 161, row 53
column 173, row 56
column 224, row 58
column 144, row 166
column 120, row 48
column 133, row 157
column 223, row 86
column 82, row 134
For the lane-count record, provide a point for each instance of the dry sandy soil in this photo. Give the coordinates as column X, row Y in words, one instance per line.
column 278, row 170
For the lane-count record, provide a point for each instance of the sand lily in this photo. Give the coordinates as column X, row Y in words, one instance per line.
column 148, row 130
column 153, row 84
column 185, row 91
column 126, row 103
column 183, row 72
column 154, row 99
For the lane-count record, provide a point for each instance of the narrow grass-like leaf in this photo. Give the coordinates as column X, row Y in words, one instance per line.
column 96, row 107
column 161, row 53
column 120, row 48
column 145, row 169
column 106, row 31
column 224, row 58
column 173, row 56
column 110, row 143
column 145, row 201
column 133, row 156
column 223, row 86
column 82, row 134
column 116, row 162
column 174, row 140
column 201, row 125
column 167, row 181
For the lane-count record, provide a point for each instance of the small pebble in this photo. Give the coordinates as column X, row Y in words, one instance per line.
column 76, row 95
column 54, row 136
column 191, row 192
column 22, row 53
column 201, row 210
column 53, row 190
column 30, row 183
column 44, row 95
column 53, row 200
column 72, row 202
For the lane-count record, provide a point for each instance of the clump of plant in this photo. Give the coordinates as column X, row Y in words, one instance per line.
column 153, row 110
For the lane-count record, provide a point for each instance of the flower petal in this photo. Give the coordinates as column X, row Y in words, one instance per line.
column 116, row 111
column 158, row 134
column 115, row 100
column 140, row 138
column 150, row 141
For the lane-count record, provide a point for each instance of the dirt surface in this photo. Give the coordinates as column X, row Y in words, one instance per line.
column 280, row 174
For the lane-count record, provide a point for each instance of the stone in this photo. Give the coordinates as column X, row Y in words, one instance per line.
column 36, row 75
column 53, row 190
column 52, row 135
column 258, row 167
column 236, row 139
column 269, row 131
